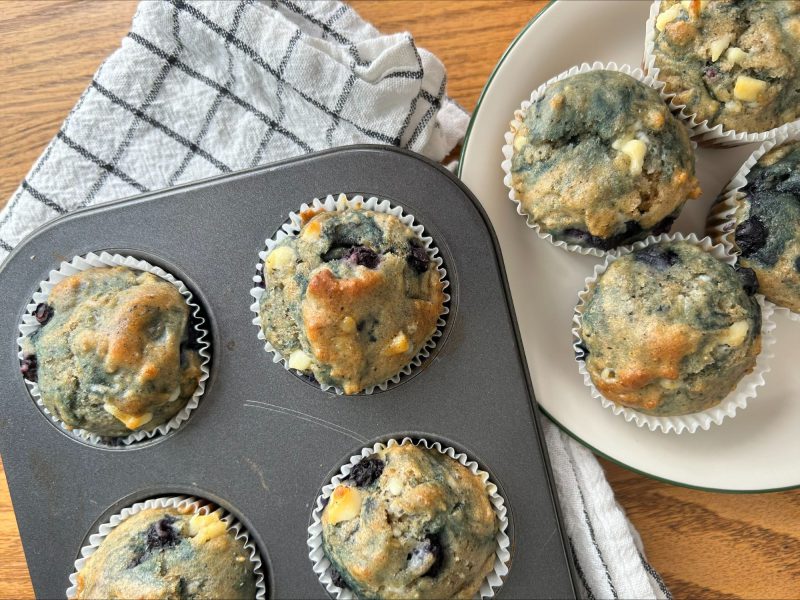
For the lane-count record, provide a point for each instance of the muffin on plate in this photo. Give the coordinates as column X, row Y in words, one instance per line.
column 734, row 64
column 410, row 522
column 352, row 299
column 767, row 224
column 599, row 161
column 171, row 552
column 670, row 330
column 113, row 353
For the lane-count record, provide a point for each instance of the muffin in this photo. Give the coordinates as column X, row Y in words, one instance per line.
column 599, row 161
column 351, row 299
column 734, row 64
column 410, row 522
column 113, row 354
column 172, row 552
column 767, row 224
column 670, row 330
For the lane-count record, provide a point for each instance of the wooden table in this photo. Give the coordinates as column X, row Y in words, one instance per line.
column 704, row 545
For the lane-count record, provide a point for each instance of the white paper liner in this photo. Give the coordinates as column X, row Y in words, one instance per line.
column 720, row 224
column 519, row 115
column 700, row 131
column 746, row 388
column 201, row 506
column 292, row 227
column 104, row 259
column 321, row 564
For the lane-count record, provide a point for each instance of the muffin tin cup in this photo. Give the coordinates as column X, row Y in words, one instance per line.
column 700, row 130
column 322, row 565
column 747, row 387
column 508, row 149
column 341, row 202
column 721, row 224
column 200, row 506
column 89, row 261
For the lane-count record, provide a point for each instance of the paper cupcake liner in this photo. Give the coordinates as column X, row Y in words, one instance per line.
column 746, row 388
column 321, row 563
column 104, row 259
column 200, row 506
column 292, row 228
column 720, row 224
column 700, row 131
column 519, row 114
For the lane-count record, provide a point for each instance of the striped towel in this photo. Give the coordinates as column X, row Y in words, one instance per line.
column 203, row 88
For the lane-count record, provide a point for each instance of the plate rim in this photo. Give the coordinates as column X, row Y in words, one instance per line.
column 544, row 411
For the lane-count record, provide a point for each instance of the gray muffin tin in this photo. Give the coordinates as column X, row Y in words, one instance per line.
column 263, row 441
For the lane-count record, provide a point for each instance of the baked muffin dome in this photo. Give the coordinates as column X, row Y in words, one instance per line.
column 735, row 64
column 599, row 161
column 767, row 219
column 410, row 522
column 351, row 299
column 670, row 330
column 168, row 553
column 113, row 354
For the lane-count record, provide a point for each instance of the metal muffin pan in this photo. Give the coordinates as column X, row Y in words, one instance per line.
column 263, row 441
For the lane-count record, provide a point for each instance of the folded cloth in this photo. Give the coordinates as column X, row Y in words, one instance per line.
column 203, row 88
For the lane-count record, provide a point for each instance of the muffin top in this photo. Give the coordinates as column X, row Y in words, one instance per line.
column 669, row 329
column 599, row 161
column 351, row 299
column 113, row 354
column 735, row 64
column 169, row 553
column 409, row 522
column 767, row 234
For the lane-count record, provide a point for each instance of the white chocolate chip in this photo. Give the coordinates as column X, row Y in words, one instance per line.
column 735, row 334
column 668, row 16
column 735, row 55
column 280, row 258
column 635, row 150
column 748, row 89
column 345, row 504
column 608, row 374
column 398, row 345
column 299, row 360
column 719, row 46
column 348, row 324
column 130, row 421
column 395, row 486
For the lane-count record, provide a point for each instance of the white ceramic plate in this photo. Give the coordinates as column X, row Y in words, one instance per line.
column 758, row 450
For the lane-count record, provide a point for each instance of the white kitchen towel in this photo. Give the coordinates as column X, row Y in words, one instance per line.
column 203, row 88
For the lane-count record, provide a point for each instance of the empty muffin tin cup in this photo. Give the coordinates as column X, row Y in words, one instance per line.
column 517, row 122
column 747, row 387
column 721, row 222
column 292, row 227
column 30, row 325
column 199, row 506
column 700, row 130
column 322, row 565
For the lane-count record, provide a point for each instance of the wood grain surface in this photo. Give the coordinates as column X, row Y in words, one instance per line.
column 705, row 545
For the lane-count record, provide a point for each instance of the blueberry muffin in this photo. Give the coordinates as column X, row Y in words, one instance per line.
column 169, row 553
column 599, row 161
column 351, row 299
column 113, row 354
column 735, row 64
column 409, row 522
column 767, row 225
column 670, row 330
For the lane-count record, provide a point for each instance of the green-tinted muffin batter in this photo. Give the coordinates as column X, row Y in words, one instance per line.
column 669, row 330
column 599, row 161
column 733, row 63
column 410, row 522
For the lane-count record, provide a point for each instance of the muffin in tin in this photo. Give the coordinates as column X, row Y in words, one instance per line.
column 410, row 522
column 599, row 161
column 734, row 64
column 114, row 352
column 171, row 552
column 351, row 299
column 766, row 224
column 670, row 330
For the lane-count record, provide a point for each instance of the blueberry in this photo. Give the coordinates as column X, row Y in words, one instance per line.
column 797, row 264
column 337, row 579
column 429, row 551
column 656, row 257
column 585, row 238
column 29, row 368
column 581, row 352
column 664, row 225
column 192, row 337
column 43, row 313
column 366, row 471
column 418, row 258
column 749, row 280
column 710, row 72
column 361, row 255
column 162, row 534
column 751, row 235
